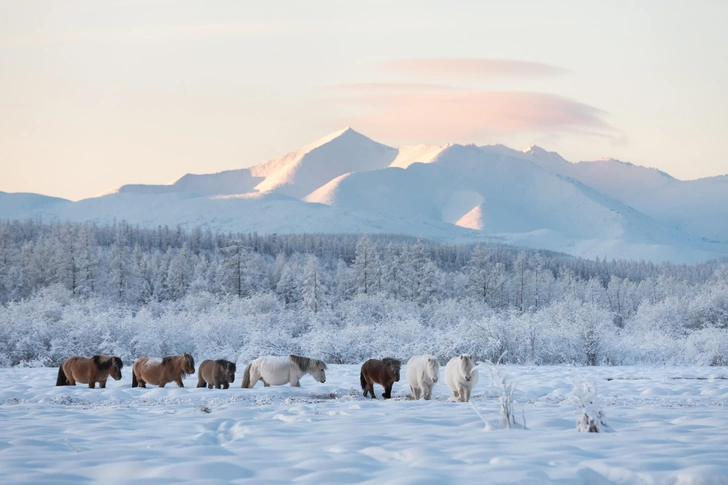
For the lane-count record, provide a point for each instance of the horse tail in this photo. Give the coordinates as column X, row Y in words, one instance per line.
column 62, row 379
column 134, row 382
column 246, row 376
column 362, row 381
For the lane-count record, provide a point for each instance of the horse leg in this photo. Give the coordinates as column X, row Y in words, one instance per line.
column 91, row 384
column 102, row 384
column 462, row 392
column 209, row 386
column 370, row 388
column 295, row 382
column 387, row 391
column 256, row 376
column 225, row 385
column 468, row 390
column 142, row 383
column 179, row 382
column 428, row 393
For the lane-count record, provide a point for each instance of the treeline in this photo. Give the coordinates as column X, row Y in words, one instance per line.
column 68, row 287
column 139, row 265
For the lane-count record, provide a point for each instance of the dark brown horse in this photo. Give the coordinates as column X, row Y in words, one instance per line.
column 96, row 369
column 154, row 370
column 217, row 373
column 384, row 372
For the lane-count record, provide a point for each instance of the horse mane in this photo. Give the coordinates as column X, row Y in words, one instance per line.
column 177, row 362
column 391, row 361
column 103, row 362
column 468, row 362
column 118, row 362
column 190, row 360
column 301, row 362
column 227, row 365
column 305, row 363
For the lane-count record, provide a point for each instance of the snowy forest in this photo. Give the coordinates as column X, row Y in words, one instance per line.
column 82, row 289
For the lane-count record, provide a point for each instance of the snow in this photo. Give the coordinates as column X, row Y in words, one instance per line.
column 409, row 154
column 699, row 208
column 667, row 425
column 473, row 219
column 301, row 172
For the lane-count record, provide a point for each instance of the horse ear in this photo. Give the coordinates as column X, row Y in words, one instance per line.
column 462, row 357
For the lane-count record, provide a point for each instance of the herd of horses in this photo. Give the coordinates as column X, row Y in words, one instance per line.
column 423, row 371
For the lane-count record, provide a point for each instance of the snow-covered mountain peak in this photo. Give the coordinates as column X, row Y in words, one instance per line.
column 300, row 172
column 409, row 154
column 345, row 134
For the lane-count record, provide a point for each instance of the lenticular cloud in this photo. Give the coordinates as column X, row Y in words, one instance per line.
column 475, row 114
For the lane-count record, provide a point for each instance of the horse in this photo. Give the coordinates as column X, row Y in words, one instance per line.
column 422, row 374
column 96, row 369
column 217, row 373
column 384, row 372
column 276, row 371
column 461, row 376
column 154, row 370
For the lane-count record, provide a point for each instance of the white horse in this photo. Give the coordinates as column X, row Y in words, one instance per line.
column 276, row 371
column 461, row 377
column 422, row 374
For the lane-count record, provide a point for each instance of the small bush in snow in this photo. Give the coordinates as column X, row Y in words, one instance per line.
column 589, row 415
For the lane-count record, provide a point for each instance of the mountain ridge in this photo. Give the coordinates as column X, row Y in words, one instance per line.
column 346, row 181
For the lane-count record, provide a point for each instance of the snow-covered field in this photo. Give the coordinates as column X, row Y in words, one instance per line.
column 669, row 425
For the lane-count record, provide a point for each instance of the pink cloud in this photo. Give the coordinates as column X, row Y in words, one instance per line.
column 475, row 67
column 471, row 115
column 383, row 87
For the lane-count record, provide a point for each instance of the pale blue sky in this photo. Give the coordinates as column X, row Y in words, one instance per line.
column 95, row 94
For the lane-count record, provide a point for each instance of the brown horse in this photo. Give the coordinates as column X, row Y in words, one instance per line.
column 384, row 372
column 96, row 369
column 154, row 370
column 217, row 373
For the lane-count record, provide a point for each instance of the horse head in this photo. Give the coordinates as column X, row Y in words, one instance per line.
column 188, row 365
column 466, row 366
column 116, row 365
column 432, row 368
column 318, row 371
column 109, row 362
column 230, row 369
column 394, row 366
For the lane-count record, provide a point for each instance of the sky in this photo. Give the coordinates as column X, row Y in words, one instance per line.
column 95, row 94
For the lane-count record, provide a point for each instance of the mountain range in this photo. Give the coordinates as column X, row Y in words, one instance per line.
column 346, row 182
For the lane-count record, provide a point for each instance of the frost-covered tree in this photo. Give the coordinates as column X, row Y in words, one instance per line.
column 231, row 275
column 314, row 290
column 365, row 272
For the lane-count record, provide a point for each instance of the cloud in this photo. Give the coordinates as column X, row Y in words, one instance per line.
column 379, row 87
column 475, row 67
column 458, row 115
